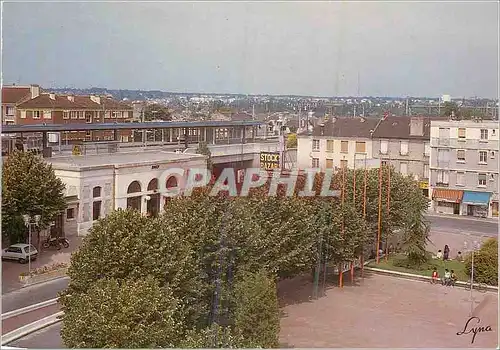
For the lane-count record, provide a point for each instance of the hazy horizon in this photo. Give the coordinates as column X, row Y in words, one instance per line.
column 303, row 49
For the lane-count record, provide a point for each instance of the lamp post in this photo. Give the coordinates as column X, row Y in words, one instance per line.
column 146, row 200
column 475, row 246
column 29, row 222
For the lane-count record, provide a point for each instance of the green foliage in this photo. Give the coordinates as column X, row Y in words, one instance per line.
column 485, row 263
column 156, row 111
column 256, row 313
column 291, row 141
column 449, row 109
column 114, row 313
column 29, row 186
column 203, row 248
column 204, row 150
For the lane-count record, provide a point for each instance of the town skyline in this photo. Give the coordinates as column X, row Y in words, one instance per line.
column 279, row 49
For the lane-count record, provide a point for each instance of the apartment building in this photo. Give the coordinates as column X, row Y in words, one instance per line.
column 464, row 167
column 335, row 143
column 404, row 143
column 11, row 96
column 46, row 108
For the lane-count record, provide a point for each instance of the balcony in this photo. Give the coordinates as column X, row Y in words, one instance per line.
column 464, row 143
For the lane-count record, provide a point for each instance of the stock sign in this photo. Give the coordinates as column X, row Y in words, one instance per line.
column 269, row 160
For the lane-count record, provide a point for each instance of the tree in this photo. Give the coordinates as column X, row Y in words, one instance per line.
column 204, row 150
column 130, row 313
column 291, row 141
column 29, row 186
column 485, row 263
column 156, row 111
column 450, row 109
column 256, row 314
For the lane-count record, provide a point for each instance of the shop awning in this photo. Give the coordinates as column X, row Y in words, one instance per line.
column 477, row 198
column 447, row 195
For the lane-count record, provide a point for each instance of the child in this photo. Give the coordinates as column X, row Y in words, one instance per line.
column 435, row 276
column 447, row 277
column 453, row 278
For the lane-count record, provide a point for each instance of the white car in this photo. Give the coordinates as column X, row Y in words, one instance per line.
column 20, row 252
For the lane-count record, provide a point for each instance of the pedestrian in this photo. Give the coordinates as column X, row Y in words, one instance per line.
column 439, row 254
column 447, row 277
column 460, row 257
column 446, row 252
column 435, row 276
column 453, row 278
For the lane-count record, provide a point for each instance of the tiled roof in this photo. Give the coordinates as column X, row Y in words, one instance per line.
column 346, row 127
column 14, row 94
column 242, row 116
column 80, row 102
column 393, row 127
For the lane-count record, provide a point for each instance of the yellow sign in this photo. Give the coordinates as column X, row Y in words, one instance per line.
column 77, row 151
column 269, row 160
column 424, row 185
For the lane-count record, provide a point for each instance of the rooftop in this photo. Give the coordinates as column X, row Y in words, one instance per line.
column 44, row 100
column 345, row 127
column 14, row 94
column 119, row 160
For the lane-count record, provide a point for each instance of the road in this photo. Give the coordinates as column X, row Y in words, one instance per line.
column 463, row 225
column 33, row 294
column 46, row 338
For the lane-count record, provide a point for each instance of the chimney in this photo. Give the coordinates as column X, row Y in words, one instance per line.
column 95, row 99
column 35, row 91
column 416, row 126
column 71, row 98
column 52, row 96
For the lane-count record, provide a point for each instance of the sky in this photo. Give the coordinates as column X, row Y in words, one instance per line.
column 302, row 48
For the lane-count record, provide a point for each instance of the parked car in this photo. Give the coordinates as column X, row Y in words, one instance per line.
column 20, row 252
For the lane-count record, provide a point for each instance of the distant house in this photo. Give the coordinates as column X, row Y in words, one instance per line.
column 11, row 96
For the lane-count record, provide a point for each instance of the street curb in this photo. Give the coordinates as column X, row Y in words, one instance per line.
column 421, row 278
column 462, row 217
column 29, row 308
column 31, row 328
column 42, row 281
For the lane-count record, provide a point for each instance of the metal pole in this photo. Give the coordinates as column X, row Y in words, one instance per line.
column 471, row 282
column 29, row 243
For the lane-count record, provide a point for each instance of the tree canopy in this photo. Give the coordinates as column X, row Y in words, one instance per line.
column 217, row 259
column 29, row 186
column 157, row 111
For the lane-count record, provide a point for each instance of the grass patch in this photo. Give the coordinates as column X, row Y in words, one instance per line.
column 425, row 269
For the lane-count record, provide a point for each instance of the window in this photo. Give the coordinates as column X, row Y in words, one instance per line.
column 329, row 163
column 481, row 179
column 36, row 114
column 81, row 114
column 70, row 213
column 47, row 114
column 427, row 149
column 96, row 210
column 404, row 148
column 343, row 163
column 344, row 146
column 483, row 157
column 460, row 178
column 116, row 114
column 65, row 115
column 96, row 192
column 9, row 110
column 315, row 145
column 461, row 155
column 329, row 145
column 88, row 118
column 23, row 114
column 484, row 134
column 403, row 168
column 383, row 163
column 73, row 115
column 106, row 114
column 492, row 154
column 360, row 147
column 461, row 133
column 443, row 177
column 384, row 145
column 315, row 163
column 426, row 171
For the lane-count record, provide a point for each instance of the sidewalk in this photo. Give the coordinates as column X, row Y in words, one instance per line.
column 462, row 217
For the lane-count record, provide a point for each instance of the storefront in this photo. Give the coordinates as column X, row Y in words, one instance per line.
column 476, row 203
column 424, row 186
column 446, row 201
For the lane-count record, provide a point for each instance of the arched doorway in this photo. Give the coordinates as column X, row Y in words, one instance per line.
column 134, row 202
column 170, row 184
column 153, row 204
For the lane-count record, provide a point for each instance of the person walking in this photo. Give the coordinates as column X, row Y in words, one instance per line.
column 446, row 252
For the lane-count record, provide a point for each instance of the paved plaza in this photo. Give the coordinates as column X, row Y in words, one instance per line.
column 384, row 312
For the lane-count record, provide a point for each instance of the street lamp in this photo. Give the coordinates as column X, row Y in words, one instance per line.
column 475, row 246
column 28, row 222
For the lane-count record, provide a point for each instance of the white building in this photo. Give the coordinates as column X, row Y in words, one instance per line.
column 336, row 143
column 463, row 167
column 98, row 184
